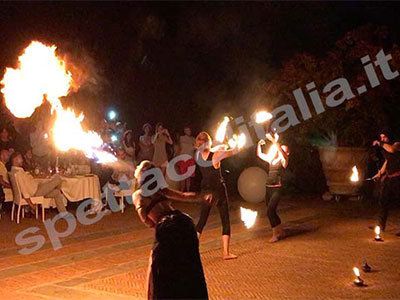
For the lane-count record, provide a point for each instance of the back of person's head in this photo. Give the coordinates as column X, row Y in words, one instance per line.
column 141, row 174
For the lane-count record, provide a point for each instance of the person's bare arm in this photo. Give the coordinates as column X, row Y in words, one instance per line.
column 381, row 171
column 181, row 197
column 3, row 183
column 260, row 153
column 154, row 138
column 220, row 155
column 168, row 136
column 391, row 148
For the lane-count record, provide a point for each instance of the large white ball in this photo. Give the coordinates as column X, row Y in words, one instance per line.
column 251, row 184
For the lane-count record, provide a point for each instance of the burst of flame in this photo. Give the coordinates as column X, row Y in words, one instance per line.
column 241, row 141
column 377, row 231
column 232, row 142
column 273, row 155
column 237, row 141
column 41, row 75
column 263, row 116
column 221, row 131
column 248, row 217
column 356, row 271
column 354, row 175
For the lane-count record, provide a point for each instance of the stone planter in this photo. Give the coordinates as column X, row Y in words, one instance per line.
column 337, row 164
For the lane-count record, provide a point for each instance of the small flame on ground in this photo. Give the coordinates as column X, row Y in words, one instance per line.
column 263, row 116
column 378, row 231
column 356, row 271
column 221, row 131
column 354, row 175
column 248, row 217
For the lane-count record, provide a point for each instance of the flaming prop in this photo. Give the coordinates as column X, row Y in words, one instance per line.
column 248, row 217
column 263, row 116
column 237, row 141
column 273, row 152
column 40, row 76
column 358, row 281
column 221, row 131
column 354, row 175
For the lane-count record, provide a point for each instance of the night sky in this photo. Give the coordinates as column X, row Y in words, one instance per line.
column 180, row 62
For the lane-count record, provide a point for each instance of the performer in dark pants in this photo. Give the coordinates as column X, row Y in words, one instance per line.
column 389, row 175
column 175, row 269
column 209, row 163
column 277, row 158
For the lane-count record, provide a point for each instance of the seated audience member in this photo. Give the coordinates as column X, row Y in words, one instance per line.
column 31, row 188
column 4, row 157
column 29, row 164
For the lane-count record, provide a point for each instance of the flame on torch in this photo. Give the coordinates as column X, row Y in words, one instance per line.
column 273, row 155
column 356, row 272
column 354, row 175
column 263, row 116
column 221, row 131
column 248, row 217
column 377, row 232
column 40, row 76
column 237, row 141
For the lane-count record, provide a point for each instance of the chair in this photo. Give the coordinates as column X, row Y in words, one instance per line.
column 121, row 194
column 20, row 201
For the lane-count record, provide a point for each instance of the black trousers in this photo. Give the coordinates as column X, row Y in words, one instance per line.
column 273, row 195
column 389, row 195
column 223, row 209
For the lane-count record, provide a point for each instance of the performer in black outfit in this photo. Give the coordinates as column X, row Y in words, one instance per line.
column 175, row 270
column 389, row 175
column 277, row 163
column 209, row 163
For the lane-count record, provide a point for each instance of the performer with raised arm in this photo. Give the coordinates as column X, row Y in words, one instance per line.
column 389, row 174
column 209, row 163
column 175, row 269
column 277, row 157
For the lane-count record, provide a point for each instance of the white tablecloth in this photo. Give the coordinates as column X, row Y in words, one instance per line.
column 80, row 187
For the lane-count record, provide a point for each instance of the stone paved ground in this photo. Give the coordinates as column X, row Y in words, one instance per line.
column 108, row 260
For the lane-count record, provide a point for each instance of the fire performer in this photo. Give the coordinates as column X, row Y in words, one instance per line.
column 277, row 158
column 213, row 182
column 389, row 175
column 175, row 269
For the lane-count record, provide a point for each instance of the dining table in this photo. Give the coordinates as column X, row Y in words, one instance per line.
column 78, row 187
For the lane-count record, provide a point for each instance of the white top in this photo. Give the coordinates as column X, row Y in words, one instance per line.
column 27, row 183
column 3, row 172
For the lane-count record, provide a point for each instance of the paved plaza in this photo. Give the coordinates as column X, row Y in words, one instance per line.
column 108, row 260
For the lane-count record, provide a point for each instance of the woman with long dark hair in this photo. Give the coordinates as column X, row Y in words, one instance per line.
column 129, row 146
column 175, row 270
column 278, row 161
column 209, row 163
